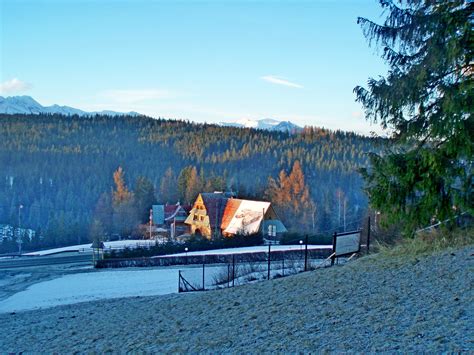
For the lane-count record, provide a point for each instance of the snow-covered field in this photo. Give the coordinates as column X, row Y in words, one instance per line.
column 97, row 285
column 118, row 244
column 80, row 285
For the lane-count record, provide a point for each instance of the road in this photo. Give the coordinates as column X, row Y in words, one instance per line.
column 58, row 259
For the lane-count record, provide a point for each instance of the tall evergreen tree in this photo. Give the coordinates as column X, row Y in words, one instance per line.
column 183, row 180
column 103, row 213
column 168, row 192
column 144, row 196
column 426, row 100
column 193, row 186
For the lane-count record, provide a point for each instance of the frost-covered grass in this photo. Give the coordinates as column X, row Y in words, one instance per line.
column 365, row 306
column 428, row 243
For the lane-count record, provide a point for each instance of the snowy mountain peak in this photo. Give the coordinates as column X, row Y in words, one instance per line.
column 269, row 124
column 28, row 105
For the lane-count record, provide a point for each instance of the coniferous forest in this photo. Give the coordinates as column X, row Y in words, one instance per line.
column 59, row 168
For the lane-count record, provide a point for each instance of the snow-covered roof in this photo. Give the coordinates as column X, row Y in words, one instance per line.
column 247, row 217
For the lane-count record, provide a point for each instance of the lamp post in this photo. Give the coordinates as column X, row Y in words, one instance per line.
column 19, row 240
column 151, row 221
column 186, row 251
column 301, row 248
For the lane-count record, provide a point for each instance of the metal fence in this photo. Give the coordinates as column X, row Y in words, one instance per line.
column 241, row 269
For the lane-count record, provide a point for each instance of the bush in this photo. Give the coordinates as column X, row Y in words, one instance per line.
column 429, row 242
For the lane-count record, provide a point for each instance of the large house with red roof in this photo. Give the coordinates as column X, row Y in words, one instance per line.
column 219, row 213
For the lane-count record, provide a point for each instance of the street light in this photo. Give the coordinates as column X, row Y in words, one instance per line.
column 186, row 251
column 18, row 240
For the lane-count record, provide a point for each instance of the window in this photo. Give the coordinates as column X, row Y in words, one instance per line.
column 271, row 230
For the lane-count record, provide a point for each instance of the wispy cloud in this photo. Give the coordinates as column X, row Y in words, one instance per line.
column 134, row 96
column 14, row 86
column 280, row 81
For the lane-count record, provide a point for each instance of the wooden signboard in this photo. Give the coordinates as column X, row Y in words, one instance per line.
column 346, row 243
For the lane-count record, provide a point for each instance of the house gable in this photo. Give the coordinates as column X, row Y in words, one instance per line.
column 214, row 213
column 198, row 218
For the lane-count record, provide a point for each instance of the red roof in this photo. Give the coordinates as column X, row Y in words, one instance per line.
column 229, row 212
column 170, row 209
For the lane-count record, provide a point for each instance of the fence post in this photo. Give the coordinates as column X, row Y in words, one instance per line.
column 268, row 268
column 368, row 235
column 283, row 263
column 233, row 270
column 306, row 254
column 333, row 248
column 203, row 272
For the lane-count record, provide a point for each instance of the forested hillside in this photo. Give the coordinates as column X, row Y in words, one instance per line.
column 57, row 167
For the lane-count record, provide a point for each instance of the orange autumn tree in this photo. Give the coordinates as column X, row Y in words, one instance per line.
column 291, row 199
column 121, row 193
column 125, row 217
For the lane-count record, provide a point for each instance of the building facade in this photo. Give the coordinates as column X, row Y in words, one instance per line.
column 216, row 214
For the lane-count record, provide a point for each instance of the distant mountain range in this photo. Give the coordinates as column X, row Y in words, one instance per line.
column 269, row 124
column 28, row 105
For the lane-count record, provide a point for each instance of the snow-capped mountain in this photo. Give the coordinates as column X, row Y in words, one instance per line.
column 27, row 105
column 269, row 124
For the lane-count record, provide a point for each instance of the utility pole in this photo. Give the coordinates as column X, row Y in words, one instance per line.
column 338, row 208
column 368, row 234
column 217, row 221
column 19, row 240
column 151, row 220
column 268, row 267
column 345, row 201
column 306, row 254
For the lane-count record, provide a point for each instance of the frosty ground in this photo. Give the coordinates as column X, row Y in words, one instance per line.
column 51, row 285
column 372, row 304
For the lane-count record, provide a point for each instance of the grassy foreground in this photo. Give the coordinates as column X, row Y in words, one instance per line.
column 386, row 302
column 427, row 243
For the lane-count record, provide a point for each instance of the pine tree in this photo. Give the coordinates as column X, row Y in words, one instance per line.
column 103, row 212
column 193, row 186
column 426, row 100
column 183, row 180
column 168, row 188
column 144, row 197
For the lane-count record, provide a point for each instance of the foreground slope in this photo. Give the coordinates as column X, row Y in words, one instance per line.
column 373, row 304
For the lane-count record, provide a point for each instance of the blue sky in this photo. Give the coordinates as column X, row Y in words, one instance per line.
column 206, row 61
